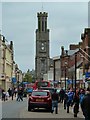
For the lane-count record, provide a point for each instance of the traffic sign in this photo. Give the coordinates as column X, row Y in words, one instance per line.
column 87, row 75
column 14, row 80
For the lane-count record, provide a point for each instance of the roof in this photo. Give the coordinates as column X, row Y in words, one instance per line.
column 71, row 52
column 56, row 57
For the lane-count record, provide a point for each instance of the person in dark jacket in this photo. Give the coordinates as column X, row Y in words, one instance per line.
column 76, row 103
column 55, row 99
column 3, row 95
column 65, row 99
column 85, row 105
column 20, row 94
column 62, row 93
column 10, row 92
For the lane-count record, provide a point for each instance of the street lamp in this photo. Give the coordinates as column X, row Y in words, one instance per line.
column 54, row 71
column 72, row 80
column 65, row 78
column 75, row 71
column 18, row 79
column 65, row 73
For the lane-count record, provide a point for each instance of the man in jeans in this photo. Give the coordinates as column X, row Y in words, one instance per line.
column 20, row 94
column 70, row 99
column 55, row 98
column 85, row 105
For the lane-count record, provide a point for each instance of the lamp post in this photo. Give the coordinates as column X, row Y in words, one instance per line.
column 65, row 73
column 54, row 71
column 75, row 71
column 72, row 80
column 65, row 78
column 18, row 79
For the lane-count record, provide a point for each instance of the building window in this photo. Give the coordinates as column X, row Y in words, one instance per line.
column 42, row 65
column 39, row 24
column 42, row 25
column 45, row 25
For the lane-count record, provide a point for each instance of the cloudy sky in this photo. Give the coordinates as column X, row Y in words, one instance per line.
column 66, row 21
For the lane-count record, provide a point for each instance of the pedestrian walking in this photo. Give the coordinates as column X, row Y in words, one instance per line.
column 55, row 99
column 65, row 99
column 85, row 105
column 15, row 91
column 76, row 103
column 81, row 96
column 3, row 95
column 62, row 93
column 70, row 99
column 12, row 93
column 20, row 95
column 7, row 95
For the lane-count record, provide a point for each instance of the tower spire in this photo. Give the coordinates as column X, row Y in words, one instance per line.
column 42, row 6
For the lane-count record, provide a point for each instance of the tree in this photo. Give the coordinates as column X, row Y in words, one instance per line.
column 28, row 76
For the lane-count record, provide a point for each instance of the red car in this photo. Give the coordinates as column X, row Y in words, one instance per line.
column 40, row 99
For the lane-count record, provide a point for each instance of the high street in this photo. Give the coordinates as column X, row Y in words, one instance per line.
column 14, row 109
column 11, row 109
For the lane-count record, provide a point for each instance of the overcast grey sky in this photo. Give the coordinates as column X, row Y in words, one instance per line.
column 66, row 21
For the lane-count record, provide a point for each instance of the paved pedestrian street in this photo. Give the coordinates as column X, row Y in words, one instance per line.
column 14, row 109
column 44, row 114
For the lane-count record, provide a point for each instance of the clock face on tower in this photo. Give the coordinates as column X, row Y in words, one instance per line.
column 43, row 46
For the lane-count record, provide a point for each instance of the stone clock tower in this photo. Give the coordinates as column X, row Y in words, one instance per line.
column 42, row 46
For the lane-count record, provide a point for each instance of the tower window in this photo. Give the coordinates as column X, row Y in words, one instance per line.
column 42, row 65
column 39, row 25
column 42, row 25
column 45, row 25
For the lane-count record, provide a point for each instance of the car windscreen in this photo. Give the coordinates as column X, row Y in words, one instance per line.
column 42, row 84
column 50, row 89
column 39, row 93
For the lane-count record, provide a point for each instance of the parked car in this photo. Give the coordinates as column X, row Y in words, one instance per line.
column 40, row 99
